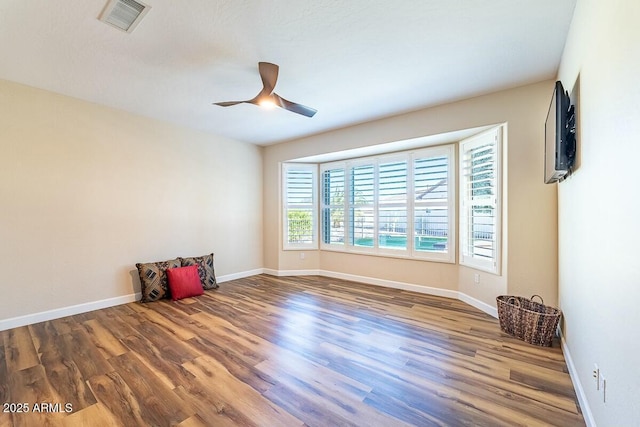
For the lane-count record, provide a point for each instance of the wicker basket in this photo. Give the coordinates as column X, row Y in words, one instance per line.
column 528, row 320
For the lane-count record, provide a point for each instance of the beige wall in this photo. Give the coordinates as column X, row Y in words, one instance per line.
column 87, row 191
column 530, row 246
column 599, row 209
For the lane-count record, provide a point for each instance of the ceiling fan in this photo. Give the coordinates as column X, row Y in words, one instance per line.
column 267, row 97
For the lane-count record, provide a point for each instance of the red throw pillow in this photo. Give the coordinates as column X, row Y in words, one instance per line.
column 184, row 282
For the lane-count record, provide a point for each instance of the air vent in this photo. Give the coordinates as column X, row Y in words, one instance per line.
column 124, row 14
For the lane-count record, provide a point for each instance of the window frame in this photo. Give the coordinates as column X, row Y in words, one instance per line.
column 493, row 264
column 286, row 207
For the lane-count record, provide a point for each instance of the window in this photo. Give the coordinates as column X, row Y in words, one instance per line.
column 433, row 204
column 480, row 201
column 400, row 205
column 300, row 206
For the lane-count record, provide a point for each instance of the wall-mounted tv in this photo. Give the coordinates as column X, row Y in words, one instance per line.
column 559, row 140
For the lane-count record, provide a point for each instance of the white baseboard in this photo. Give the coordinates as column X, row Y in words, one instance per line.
column 283, row 273
column 577, row 384
column 492, row 311
column 391, row 284
column 480, row 305
column 241, row 275
column 57, row 313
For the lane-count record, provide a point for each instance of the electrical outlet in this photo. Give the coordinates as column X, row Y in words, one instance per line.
column 596, row 375
column 301, row 255
column 476, row 278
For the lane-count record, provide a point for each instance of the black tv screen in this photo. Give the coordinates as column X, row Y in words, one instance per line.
column 559, row 139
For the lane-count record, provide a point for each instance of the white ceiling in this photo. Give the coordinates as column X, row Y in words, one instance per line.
column 353, row 61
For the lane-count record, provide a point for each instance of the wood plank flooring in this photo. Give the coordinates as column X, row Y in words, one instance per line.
column 292, row 351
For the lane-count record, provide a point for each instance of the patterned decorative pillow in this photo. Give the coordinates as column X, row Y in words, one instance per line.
column 205, row 269
column 153, row 279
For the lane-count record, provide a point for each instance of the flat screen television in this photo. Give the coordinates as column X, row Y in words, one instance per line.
column 559, row 140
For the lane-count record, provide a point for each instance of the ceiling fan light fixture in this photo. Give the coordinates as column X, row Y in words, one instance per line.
column 267, row 102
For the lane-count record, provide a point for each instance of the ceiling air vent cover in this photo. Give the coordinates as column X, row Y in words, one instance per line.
column 124, row 14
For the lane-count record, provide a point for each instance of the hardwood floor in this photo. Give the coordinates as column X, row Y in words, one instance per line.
column 267, row 351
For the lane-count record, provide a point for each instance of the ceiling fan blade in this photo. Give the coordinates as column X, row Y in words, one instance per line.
column 294, row 107
column 269, row 76
column 228, row 103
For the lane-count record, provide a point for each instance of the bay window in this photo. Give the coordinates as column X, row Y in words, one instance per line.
column 401, row 204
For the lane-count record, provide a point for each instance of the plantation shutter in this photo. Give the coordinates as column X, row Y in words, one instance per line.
column 431, row 203
column 392, row 205
column 333, row 221
column 362, row 205
column 300, row 206
column 480, row 197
